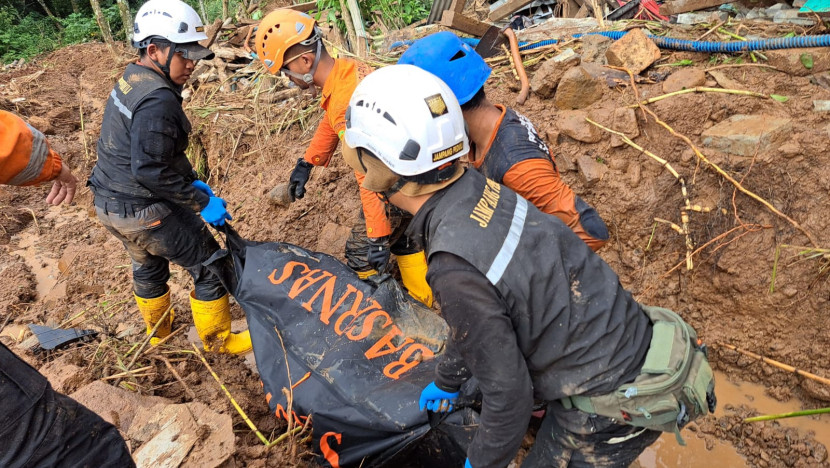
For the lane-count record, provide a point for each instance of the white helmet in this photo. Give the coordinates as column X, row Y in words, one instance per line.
column 173, row 20
column 410, row 120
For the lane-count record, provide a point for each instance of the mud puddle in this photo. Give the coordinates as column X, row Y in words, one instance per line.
column 46, row 269
column 667, row 453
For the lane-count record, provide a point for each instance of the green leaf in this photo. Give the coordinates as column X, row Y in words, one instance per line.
column 807, row 61
column 257, row 15
column 789, row 34
column 779, row 97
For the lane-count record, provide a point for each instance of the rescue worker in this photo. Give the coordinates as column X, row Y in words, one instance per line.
column 40, row 427
column 27, row 159
column 533, row 312
column 505, row 146
column 146, row 192
column 290, row 42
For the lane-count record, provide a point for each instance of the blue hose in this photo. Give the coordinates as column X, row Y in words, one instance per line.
column 691, row 46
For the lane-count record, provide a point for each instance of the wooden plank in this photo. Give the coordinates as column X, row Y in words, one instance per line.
column 461, row 23
column 507, row 9
column 362, row 38
column 307, row 6
column 674, row 7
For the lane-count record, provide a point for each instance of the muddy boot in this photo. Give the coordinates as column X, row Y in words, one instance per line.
column 213, row 323
column 152, row 310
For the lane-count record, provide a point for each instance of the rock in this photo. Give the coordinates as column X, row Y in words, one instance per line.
column 63, row 376
column 790, row 149
column 578, row 89
column 792, row 60
column 116, row 405
column 685, row 78
column 573, row 124
column 42, row 124
column 280, row 195
column 612, row 78
column 724, row 81
column 590, row 171
column 188, row 435
column 705, row 17
column 821, row 106
column 745, row 134
column 777, row 7
column 791, row 17
column 546, row 78
column 634, row 51
column 816, row 390
column 594, row 47
column 756, row 13
column 625, row 121
column 332, row 238
column 799, row 3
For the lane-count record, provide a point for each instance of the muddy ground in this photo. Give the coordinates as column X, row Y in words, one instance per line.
column 59, row 266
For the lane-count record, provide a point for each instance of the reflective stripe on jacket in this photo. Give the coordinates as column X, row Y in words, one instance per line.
column 25, row 155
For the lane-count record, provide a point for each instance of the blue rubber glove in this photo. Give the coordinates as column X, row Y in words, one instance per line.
column 437, row 400
column 216, row 212
column 203, row 187
column 467, row 464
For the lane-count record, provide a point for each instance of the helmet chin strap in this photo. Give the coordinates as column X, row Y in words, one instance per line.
column 165, row 69
column 307, row 78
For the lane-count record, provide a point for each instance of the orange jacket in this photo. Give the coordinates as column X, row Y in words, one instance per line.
column 338, row 89
column 25, row 155
column 537, row 180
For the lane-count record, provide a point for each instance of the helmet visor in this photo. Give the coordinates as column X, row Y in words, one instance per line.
column 194, row 51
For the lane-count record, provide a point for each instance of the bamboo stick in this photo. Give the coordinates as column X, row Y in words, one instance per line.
column 146, row 340
column 730, row 178
column 699, row 89
column 778, row 364
column 794, row 414
column 230, row 397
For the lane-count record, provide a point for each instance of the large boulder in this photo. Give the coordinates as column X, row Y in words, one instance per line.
column 634, row 51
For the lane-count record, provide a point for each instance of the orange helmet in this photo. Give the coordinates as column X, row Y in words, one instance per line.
column 280, row 30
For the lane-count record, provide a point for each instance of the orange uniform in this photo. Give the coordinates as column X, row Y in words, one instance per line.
column 517, row 157
column 337, row 90
column 25, row 155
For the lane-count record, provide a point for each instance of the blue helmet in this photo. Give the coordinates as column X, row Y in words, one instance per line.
column 446, row 56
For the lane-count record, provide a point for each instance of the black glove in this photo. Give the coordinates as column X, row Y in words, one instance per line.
column 378, row 256
column 298, row 179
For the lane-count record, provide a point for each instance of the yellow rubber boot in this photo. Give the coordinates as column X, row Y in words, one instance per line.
column 363, row 275
column 414, row 276
column 213, row 324
column 152, row 310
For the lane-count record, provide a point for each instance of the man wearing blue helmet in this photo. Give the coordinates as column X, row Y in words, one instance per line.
column 505, row 146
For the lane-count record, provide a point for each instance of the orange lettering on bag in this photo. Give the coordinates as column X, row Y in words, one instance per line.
column 368, row 324
column 385, row 346
column 302, row 283
column 353, row 313
column 395, row 369
column 327, row 291
column 327, row 312
column 282, row 414
column 287, row 271
column 331, row 456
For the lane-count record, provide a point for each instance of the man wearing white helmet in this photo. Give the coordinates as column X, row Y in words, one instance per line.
column 534, row 313
column 146, row 192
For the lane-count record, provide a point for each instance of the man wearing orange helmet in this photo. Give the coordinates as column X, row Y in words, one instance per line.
column 290, row 42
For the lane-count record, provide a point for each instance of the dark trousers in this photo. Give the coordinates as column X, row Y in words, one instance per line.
column 574, row 439
column 357, row 246
column 42, row 428
column 158, row 234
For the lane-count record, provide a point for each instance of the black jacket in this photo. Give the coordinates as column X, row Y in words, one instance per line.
column 141, row 151
column 533, row 312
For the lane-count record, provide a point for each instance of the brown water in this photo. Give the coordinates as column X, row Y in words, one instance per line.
column 666, row 453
